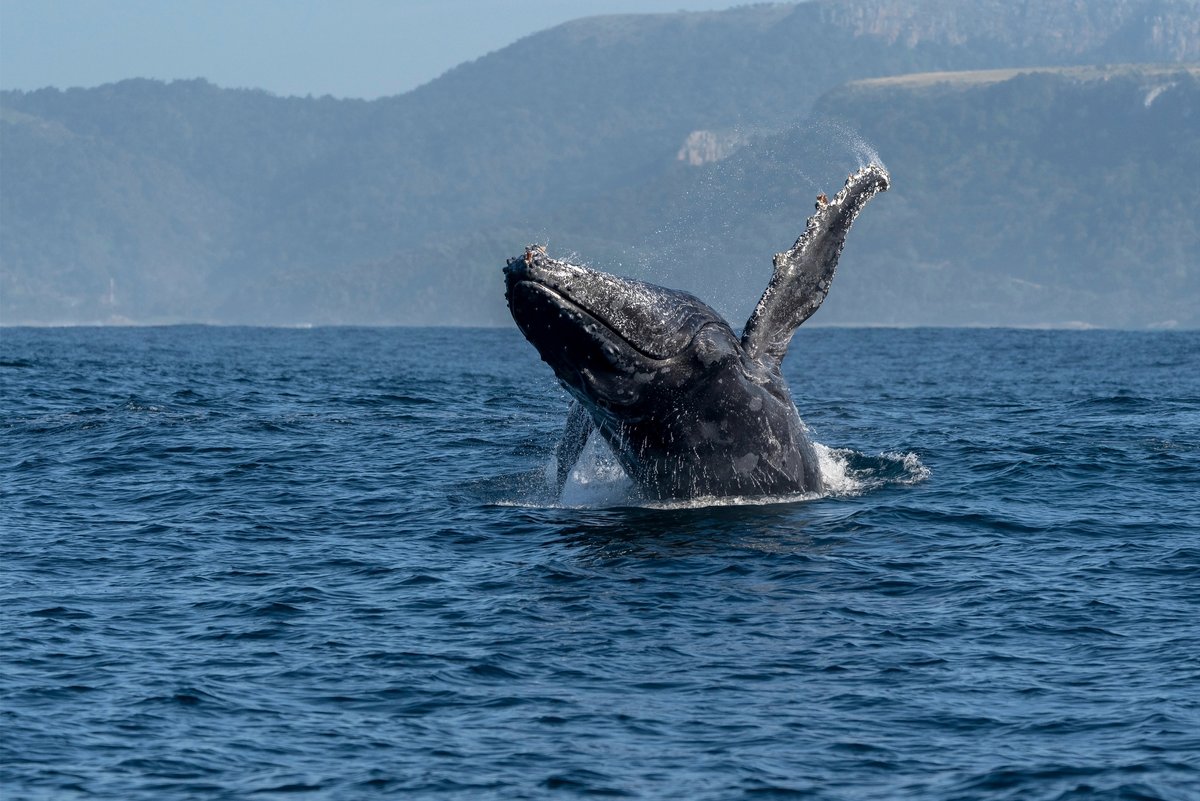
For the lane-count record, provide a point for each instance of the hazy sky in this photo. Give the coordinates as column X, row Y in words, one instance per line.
column 347, row 48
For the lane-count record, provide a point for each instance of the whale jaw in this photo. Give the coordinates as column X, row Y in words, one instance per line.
column 606, row 338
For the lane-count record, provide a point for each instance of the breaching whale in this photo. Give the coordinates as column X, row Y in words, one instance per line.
column 688, row 408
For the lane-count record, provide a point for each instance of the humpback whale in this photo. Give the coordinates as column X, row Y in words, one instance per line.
column 689, row 408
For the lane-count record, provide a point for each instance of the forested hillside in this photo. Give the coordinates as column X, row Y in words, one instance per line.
column 625, row 138
column 1054, row 197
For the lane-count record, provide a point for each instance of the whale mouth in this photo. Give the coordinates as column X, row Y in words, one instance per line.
column 572, row 314
column 642, row 321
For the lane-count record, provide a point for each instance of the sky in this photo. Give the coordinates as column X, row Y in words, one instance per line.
column 347, row 48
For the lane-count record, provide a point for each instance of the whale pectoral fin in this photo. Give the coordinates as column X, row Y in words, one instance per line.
column 804, row 273
column 574, row 437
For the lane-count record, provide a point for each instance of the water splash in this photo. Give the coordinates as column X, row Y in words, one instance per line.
column 845, row 136
column 598, row 481
column 849, row 473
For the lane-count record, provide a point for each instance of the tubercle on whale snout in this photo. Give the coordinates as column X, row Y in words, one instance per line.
column 523, row 270
column 535, row 266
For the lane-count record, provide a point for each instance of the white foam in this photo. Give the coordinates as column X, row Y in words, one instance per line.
column 835, row 471
column 849, row 473
column 598, row 482
column 916, row 472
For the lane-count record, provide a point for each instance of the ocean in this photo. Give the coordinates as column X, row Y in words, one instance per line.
column 245, row 563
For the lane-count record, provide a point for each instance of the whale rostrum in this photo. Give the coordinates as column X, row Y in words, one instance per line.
column 688, row 408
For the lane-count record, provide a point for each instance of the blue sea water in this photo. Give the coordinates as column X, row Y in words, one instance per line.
column 251, row 563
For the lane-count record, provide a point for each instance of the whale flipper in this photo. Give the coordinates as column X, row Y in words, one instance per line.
column 574, row 437
column 803, row 274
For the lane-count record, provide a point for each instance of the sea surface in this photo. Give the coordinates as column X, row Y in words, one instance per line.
column 325, row 564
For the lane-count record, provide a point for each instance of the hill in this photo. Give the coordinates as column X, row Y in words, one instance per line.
column 1037, row 197
column 154, row 202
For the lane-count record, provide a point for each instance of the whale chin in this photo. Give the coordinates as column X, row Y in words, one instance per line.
column 575, row 343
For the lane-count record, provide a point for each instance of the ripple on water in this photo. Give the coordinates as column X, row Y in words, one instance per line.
column 243, row 563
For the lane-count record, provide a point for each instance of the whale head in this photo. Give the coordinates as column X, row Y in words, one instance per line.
column 629, row 349
column 614, row 342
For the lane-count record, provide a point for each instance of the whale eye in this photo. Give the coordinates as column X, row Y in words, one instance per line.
column 713, row 346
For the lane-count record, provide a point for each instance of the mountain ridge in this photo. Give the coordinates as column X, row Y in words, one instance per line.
column 231, row 205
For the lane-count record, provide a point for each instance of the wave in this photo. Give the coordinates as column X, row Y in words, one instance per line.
column 849, row 472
